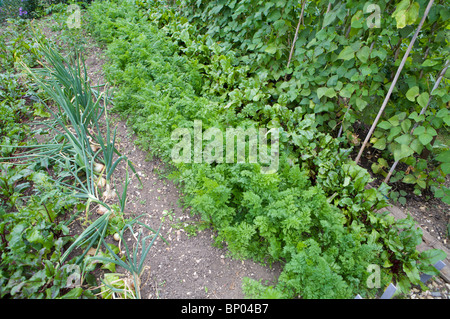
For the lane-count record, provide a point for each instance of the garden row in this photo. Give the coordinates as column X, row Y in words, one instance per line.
column 315, row 214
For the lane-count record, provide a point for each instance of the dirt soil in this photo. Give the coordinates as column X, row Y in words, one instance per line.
column 190, row 266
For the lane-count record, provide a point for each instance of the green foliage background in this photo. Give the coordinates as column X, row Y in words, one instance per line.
column 341, row 70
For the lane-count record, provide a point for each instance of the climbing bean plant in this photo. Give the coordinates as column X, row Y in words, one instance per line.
column 337, row 59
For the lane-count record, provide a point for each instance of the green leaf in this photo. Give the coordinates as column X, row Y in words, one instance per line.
column 412, row 93
column 332, row 81
column 305, row 92
column 346, row 54
column 330, row 93
column 429, row 62
column 419, row 130
column 394, row 132
column 385, row 125
column 421, row 183
column 406, row 125
column 400, row 17
column 409, row 179
column 439, row 92
column 416, row 117
column 444, row 157
column 35, row 236
column 39, row 112
column 109, row 266
column 324, row 91
column 404, row 139
column 271, row 48
column 442, row 113
column 403, row 5
column 412, row 272
column 394, row 120
column 184, row 36
column 347, row 180
column 321, row 92
column 360, row 103
column 445, row 168
column 216, row 9
column 329, row 18
column 311, row 43
column 431, row 131
column 446, row 199
column 279, row 24
column 412, row 13
column 380, row 144
column 425, row 138
column 357, row 20
column 401, row 116
column 417, row 146
column 17, row 288
column 400, row 13
column 75, row 293
column 363, row 54
column 423, row 99
column 402, row 151
column 432, row 256
column 346, row 201
column 376, row 168
column 347, row 91
column 447, row 120
column 332, row 124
